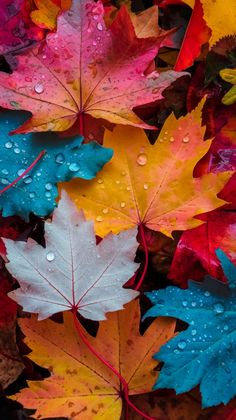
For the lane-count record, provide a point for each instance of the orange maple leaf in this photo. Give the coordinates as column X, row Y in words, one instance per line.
column 80, row 386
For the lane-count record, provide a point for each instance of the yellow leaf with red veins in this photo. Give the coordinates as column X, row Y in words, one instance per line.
column 80, row 386
column 151, row 184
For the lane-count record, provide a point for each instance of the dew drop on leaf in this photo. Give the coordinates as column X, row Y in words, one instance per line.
column 181, row 344
column 100, row 181
column 184, row 303
column 172, row 139
column 99, row 26
column 50, row 256
column 207, row 294
column 185, row 139
column 8, row 145
column 105, row 211
column 122, row 204
column 74, row 167
column 219, row 308
column 39, row 88
column 99, row 218
column 194, row 332
column 60, row 158
column 145, row 186
column 48, row 186
column 142, row 159
column 28, row 180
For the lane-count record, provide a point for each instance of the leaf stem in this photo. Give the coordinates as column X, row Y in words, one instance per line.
column 106, row 363
column 41, row 154
column 144, row 244
column 81, row 123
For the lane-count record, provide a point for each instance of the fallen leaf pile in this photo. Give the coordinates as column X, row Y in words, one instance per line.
column 118, row 210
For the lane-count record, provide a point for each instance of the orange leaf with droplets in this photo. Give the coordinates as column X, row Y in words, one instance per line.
column 80, row 386
column 153, row 185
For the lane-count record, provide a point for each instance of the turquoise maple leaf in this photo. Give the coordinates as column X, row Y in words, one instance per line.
column 62, row 160
column 205, row 353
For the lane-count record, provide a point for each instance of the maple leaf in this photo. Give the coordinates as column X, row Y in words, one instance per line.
column 220, row 19
column 85, row 68
column 229, row 75
column 197, row 246
column 45, row 16
column 146, row 182
column 81, row 385
column 196, row 35
column 37, row 190
column 73, row 273
column 203, row 353
column 16, row 29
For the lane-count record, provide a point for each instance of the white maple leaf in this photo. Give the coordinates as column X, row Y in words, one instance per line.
column 72, row 271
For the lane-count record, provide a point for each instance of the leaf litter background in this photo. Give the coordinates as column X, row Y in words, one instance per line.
column 190, row 36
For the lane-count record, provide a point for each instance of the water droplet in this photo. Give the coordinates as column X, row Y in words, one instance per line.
column 50, row 256
column 226, row 327
column 39, row 88
column 207, row 294
column 17, row 150
column 128, row 188
column 185, row 139
column 100, row 181
column 60, row 158
column 74, row 167
column 99, row 26
column 122, row 204
column 94, row 43
column 48, row 186
column 105, row 211
column 5, row 171
column 123, row 173
column 8, row 145
column 193, row 304
column 4, row 181
column 47, row 194
column 181, row 344
column 14, row 104
column 172, row 139
column 99, row 218
column 194, row 332
column 117, row 182
column 219, row 308
column 32, row 194
column 20, row 172
column 145, row 186
column 142, row 159
column 27, row 180
column 184, row 303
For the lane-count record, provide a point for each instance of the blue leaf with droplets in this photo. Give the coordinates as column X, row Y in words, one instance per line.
column 205, row 353
column 63, row 160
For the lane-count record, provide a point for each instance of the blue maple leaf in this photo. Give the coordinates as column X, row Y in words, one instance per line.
column 205, row 353
column 63, row 160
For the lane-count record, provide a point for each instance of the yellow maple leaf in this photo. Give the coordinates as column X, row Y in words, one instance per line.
column 80, row 386
column 153, row 185
column 220, row 17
